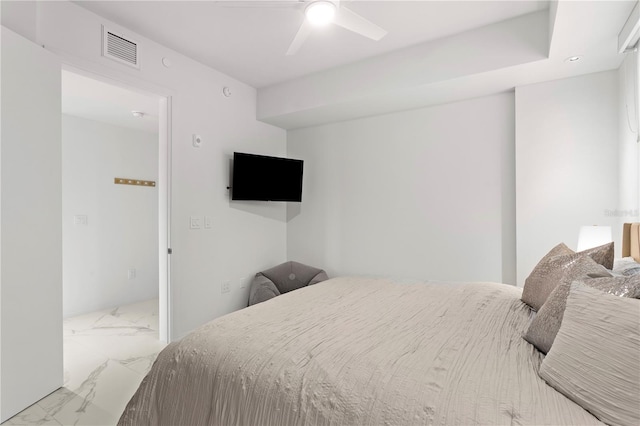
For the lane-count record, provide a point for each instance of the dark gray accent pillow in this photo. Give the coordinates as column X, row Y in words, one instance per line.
column 594, row 361
column 544, row 327
column 553, row 270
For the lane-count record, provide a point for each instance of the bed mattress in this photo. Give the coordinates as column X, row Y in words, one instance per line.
column 358, row 351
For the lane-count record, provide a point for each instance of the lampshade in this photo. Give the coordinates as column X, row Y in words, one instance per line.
column 593, row 236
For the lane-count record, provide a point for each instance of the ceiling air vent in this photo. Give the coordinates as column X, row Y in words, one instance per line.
column 119, row 48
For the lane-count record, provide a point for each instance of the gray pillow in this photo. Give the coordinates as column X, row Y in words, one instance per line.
column 594, row 360
column 626, row 267
column 603, row 255
column 545, row 325
column 553, row 270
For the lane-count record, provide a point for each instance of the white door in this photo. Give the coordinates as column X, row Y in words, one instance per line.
column 30, row 225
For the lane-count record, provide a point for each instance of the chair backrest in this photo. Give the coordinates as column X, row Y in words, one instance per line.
column 291, row 275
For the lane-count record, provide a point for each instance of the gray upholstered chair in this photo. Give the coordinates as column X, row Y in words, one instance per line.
column 282, row 279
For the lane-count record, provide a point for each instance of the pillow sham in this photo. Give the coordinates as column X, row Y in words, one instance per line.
column 543, row 329
column 603, row 254
column 553, row 270
column 594, row 360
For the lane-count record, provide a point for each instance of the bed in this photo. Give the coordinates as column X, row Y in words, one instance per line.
column 359, row 351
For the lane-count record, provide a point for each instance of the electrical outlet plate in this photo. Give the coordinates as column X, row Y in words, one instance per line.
column 197, row 141
column 226, row 287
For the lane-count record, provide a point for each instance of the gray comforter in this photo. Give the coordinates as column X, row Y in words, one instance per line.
column 358, row 351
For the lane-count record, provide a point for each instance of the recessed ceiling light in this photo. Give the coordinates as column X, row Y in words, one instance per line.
column 320, row 12
column 138, row 114
column 573, row 58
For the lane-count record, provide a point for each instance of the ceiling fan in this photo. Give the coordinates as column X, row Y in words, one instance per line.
column 321, row 13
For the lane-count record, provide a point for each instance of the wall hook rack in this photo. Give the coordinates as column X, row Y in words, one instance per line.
column 136, row 182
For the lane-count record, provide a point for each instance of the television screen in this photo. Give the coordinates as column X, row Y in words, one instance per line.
column 262, row 178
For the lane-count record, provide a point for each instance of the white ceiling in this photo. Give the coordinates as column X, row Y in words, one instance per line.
column 495, row 58
column 435, row 51
column 99, row 101
column 249, row 42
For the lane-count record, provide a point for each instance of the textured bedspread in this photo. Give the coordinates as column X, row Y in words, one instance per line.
column 357, row 351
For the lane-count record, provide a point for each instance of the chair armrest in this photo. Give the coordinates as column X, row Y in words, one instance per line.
column 320, row 276
column 262, row 289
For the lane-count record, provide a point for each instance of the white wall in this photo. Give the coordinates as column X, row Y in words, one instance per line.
column 122, row 220
column 246, row 237
column 31, row 236
column 566, row 162
column 423, row 193
column 628, row 207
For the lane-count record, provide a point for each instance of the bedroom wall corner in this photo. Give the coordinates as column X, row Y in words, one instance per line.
column 566, row 162
column 410, row 194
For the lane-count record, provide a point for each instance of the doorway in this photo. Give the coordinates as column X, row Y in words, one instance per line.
column 116, row 171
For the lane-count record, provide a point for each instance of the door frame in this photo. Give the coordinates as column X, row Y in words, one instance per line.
column 164, row 220
column 163, row 186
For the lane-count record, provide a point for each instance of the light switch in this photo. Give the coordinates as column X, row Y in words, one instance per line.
column 80, row 219
column 195, row 222
column 208, row 222
column 131, row 273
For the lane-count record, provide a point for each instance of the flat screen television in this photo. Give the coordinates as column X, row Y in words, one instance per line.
column 263, row 178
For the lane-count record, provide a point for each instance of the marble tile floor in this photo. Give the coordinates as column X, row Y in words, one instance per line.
column 106, row 356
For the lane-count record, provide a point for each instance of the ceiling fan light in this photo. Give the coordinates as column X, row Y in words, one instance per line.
column 320, row 12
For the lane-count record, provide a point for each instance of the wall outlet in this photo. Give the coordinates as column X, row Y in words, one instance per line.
column 195, row 222
column 226, row 287
column 131, row 273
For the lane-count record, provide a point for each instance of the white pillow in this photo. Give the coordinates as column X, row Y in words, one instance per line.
column 595, row 358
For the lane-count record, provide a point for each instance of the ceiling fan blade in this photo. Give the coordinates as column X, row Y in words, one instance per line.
column 301, row 36
column 347, row 18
